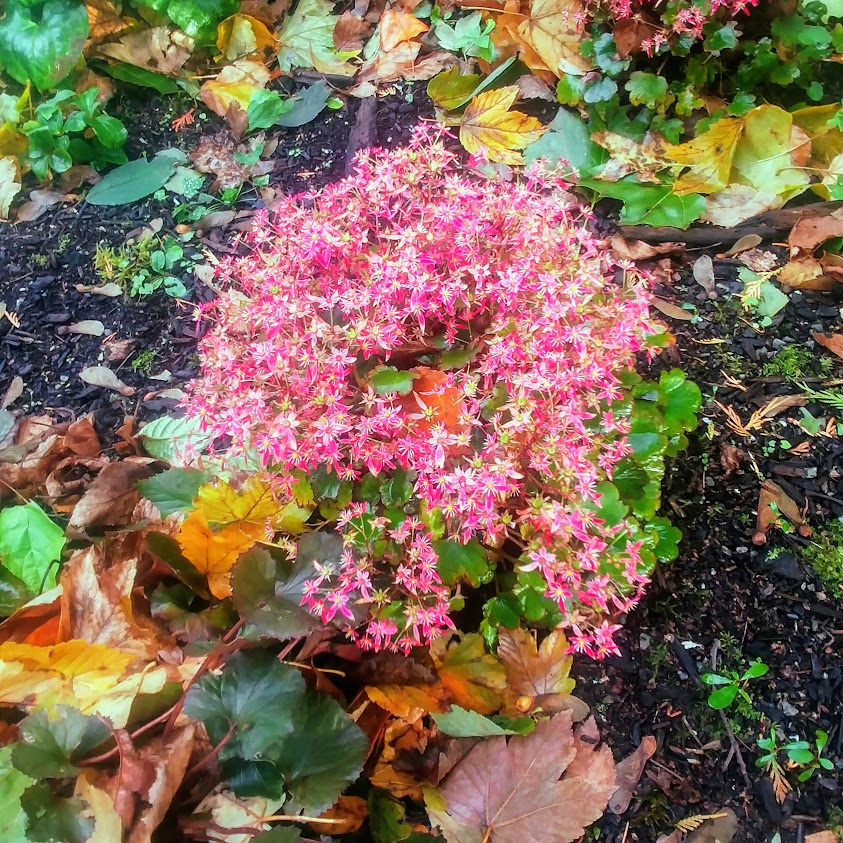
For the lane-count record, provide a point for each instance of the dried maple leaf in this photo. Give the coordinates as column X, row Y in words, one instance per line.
column 488, row 126
column 516, row 791
column 708, row 157
column 158, row 49
column 104, row 20
column 555, row 30
column 348, row 33
column 533, row 673
column 397, row 26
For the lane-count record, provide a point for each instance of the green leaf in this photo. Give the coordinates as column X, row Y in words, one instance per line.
column 166, row 438
column 308, row 34
column 173, row 490
column 256, row 695
column 42, row 48
column 142, row 77
column 265, row 107
column 800, row 756
column 387, row 818
column 50, row 742
column 398, row 489
column 450, row 88
column 772, row 300
column 13, row 593
column 650, row 204
column 305, row 106
column 198, row 18
column 279, row 834
column 723, row 697
column 457, row 358
column 755, row 670
column 460, row 562
column 715, row 679
column 387, row 380
column 323, row 754
column 30, row 545
column 53, row 818
column 463, row 723
column 13, row 784
column 268, row 593
column 647, row 89
column 681, row 400
column 131, row 182
column 110, row 132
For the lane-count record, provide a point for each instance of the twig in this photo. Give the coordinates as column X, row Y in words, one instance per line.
column 204, row 762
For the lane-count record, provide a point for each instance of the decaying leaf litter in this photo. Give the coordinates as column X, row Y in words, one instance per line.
column 751, row 437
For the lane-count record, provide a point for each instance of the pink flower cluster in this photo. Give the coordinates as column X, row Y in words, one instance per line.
column 680, row 17
column 505, row 313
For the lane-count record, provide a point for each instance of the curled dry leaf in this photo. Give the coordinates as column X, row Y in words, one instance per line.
column 704, row 275
column 670, row 309
column 111, row 290
column 517, row 791
column 731, row 458
column 638, row 250
column 215, row 155
column 810, row 232
column 629, row 772
column 103, row 376
column 39, row 202
column 782, row 505
column 743, row 244
column 89, row 327
column 159, row 49
column 646, row 158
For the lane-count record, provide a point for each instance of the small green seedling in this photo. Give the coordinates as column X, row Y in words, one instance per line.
column 732, row 685
column 802, row 754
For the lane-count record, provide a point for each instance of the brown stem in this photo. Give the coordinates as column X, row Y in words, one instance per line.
column 204, row 762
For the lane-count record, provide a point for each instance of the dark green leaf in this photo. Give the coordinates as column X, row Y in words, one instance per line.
column 323, row 753
column 398, row 489
column 42, row 47
column 265, row 107
column 13, row 593
column 51, row 741
column 132, row 181
column 723, row 697
column 255, row 694
column 280, row 834
column 142, row 77
column 268, row 593
column 173, row 490
column 306, row 106
column 387, row 818
column 681, row 399
column 650, row 204
column 567, row 138
column 459, row 562
column 52, row 818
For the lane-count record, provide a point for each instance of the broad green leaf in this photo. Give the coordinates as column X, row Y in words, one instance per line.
column 50, row 742
column 54, row 818
column 458, row 562
column 173, row 490
column 30, row 546
column 772, row 300
column 142, row 77
column 198, row 18
column 387, row 380
column 13, row 593
column 648, row 89
column 167, row 437
column 268, row 593
column 321, row 756
column 398, row 489
column 452, row 89
column 13, row 784
column 265, row 107
column 723, row 697
column 680, row 399
column 650, row 204
column 256, row 695
column 132, row 181
column 463, row 723
column 305, row 106
column 755, row 670
column 42, row 45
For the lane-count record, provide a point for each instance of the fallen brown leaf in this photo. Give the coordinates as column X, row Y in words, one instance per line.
column 671, row 310
column 833, row 342
column 811, row 232
column 103, row 376
column 629, row 772
column 784, row 505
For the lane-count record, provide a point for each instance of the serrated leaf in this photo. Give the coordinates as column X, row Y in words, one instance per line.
column 173, row 490
column 13, row 784
column 30, row 546
column 268, row 594
column 568, row 139
column 488, row 126
column 51, row 740
column 306, row 39
column 167, row 438
column 516, row 791
column 458, row 562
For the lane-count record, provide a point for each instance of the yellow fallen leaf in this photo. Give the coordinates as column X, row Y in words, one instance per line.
column 235, row 83
column 242, row 35
column 708, row 157
column 158, row 49
column 214, row 553
column 555, row 30
column 104, row 19
column 108, row 827
column 91, row 677
column 646, row 159
column 489, row 126
column 472, row 677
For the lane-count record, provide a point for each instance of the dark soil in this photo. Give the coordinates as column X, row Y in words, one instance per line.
column 724, row 599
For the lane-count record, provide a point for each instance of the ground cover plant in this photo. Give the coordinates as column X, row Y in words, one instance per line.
column 327, row 514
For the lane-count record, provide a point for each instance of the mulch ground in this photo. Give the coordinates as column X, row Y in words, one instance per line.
column 724, row 596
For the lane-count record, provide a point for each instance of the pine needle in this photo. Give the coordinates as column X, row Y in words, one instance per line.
column 693, row 823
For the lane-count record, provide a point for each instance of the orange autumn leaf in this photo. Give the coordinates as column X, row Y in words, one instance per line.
column 431, row 402
column 473, row 678
column 235, row 85
column 555, row 30
column 214, row 553
column 397, row 27
column 833, row 342
column 104, row 19
column 488, row 126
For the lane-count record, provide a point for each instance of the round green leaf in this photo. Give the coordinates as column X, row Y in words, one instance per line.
column 30, row 546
